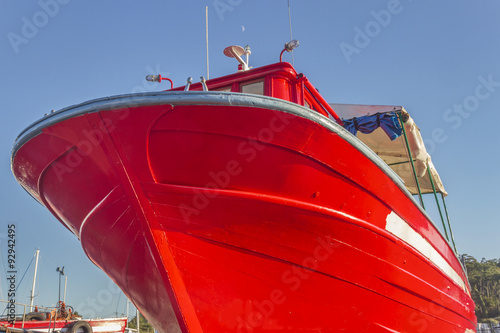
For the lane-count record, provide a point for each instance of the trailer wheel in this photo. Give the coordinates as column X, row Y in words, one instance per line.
column 35, row 316
column 85, row 326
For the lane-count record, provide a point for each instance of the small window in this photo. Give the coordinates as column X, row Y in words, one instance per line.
column 310, row 106
column 256, row 88
column 225, row 89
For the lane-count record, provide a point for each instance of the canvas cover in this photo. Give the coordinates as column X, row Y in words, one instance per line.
column 394, row 151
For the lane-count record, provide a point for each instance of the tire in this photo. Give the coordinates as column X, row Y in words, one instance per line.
column 36, row 316
column 85, row 326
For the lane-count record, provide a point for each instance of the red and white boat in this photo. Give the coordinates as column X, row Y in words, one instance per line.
column 59, row 320
column 104, row 325
column 241, row 204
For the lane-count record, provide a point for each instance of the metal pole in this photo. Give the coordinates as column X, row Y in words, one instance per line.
column 137, row 319
column 65, row 285
column 24, row 315
column 449, row 224
column 411, row 159
column 34, row 279
column 61, row 272
column 59, row 297
column 128, row 302
column 437, row 202
column 206, row 33
column 398, row 163
column 290, row 24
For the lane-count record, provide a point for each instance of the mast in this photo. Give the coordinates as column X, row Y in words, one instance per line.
column 61, row 272
column 137, row 320
column 128, row 302
column 34, row 279
column 65, row 285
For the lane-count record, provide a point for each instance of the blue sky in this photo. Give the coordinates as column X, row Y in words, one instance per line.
column 439, row 59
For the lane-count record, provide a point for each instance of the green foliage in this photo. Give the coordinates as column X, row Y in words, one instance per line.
column 484, row 278
column 491, row 321
column 144, row 325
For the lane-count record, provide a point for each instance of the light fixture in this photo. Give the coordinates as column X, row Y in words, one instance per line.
column 289, row 47
column 159, row 78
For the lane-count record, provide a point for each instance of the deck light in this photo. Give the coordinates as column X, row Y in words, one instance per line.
column 158, row 78
column 289, row 47
column 153, row 78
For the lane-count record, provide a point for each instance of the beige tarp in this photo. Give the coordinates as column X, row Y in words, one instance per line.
column 394, row 153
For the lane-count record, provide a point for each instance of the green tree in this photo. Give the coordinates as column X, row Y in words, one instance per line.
column 484, row 279
column 144, row 325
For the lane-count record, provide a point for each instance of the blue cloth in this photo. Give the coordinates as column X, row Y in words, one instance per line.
column 389, row 122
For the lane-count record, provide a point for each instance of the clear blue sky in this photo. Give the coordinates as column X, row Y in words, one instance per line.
column 439, row 59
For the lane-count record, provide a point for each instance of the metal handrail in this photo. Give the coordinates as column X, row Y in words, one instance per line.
column 410, row 156
column 437, row 202
column 26, row 305
column 449, row 223
column 24, row 311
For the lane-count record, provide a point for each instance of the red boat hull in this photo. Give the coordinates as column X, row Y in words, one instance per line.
column 232, row 213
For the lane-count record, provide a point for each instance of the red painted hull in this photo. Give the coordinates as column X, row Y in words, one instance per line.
column 108, row 325
column 235, row 217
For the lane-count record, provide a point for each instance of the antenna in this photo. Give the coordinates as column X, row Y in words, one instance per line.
column 206, row 33
column 61, row 272
column 290, row 24
column 37, row 253
column 236, row 52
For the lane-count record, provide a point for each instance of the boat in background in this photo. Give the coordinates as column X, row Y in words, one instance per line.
column 60, row 319
column 242, row 204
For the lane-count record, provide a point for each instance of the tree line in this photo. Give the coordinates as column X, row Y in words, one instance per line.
column 484, row 279
column 144, row 325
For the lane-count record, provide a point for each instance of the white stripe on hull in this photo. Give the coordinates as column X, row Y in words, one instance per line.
column 399, row 228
